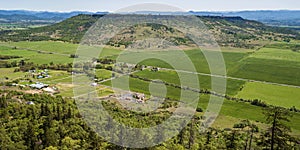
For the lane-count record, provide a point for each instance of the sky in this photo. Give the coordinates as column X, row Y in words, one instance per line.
column 114, row 5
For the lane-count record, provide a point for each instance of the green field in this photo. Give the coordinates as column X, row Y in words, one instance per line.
column 48, row 46
column 10, row 74
column 233, row 86
column 269, row 64
column 57, row 77
column 277, row 54
column 35, row 56
column 272, row 94
column 58, row 47
column 44, row 52
column 103, row 74
column 198, row 59
column 277, row 71
column 143, row 87
column 266, row 64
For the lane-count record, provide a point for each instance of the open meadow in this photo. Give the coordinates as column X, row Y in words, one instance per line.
column 271, row 94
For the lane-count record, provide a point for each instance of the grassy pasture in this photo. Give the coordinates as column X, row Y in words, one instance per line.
column 143, row 87
column 233, row 86
column 109, row 52
column 44, row 52
column 196, row 57
column 57, row 77
column 241, row 110
column 9, row 72
column 237, row 50
column 200, row 61
column 48, row 46
column 66, row 90
column 59, row 47
column 277, row 54
column 103, row 73
column 278, row 63
column 34, row 56
column 272, row 94
column 277, row 71
column 230, row 59
column 223, row 122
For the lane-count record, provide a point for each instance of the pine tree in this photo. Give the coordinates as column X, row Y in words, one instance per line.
column 192, row 134
column 30, row 136
column 278, row 132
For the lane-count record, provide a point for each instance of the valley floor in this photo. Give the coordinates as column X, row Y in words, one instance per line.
column 270, row 74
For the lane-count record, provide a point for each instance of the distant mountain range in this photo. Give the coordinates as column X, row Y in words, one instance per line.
column 270, row 17
column 15, row 16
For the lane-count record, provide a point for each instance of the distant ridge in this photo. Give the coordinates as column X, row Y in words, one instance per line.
column 19, row 15
column 231, row 31
column 270, row 17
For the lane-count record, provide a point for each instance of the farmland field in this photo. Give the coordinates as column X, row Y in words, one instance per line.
column 272, row 70
column 35, row 56
column 199, row 60
column 277, row 54
column 143, row 87
column 57, row 77
column 42, row 52
column 10, row 74
column 233, row 86
column 103, row 74
column 272, row 94
column 55, row 47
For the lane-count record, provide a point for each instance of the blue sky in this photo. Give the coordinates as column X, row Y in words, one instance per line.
column 113, row 5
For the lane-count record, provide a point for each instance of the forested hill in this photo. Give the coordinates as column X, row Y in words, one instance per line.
column 228, row 31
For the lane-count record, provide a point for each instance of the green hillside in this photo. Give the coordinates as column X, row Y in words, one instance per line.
column 228, row 31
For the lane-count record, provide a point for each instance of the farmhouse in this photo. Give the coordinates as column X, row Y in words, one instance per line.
column 94, row 84
column 155, row 69
column 38, row 85
column 139, row 96
column 39, row 74
column 49, row 90
column 126, row 96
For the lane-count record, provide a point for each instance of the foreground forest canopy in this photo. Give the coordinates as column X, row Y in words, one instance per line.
column 55, row 123
column 38, row 107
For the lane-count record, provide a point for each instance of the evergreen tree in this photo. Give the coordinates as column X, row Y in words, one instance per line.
column 30, row 136
column 278, row 133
